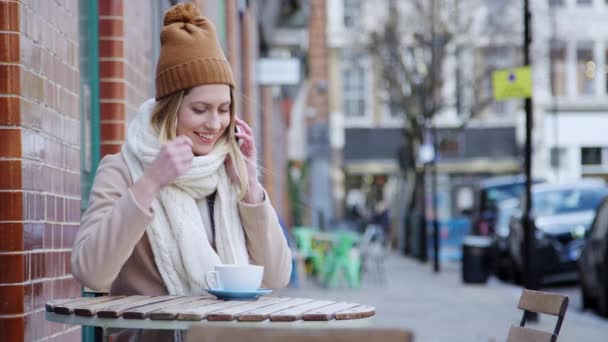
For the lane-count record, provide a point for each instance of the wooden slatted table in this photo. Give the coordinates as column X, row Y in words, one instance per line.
column 184, row 312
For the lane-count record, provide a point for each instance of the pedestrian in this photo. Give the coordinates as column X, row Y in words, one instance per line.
column 355, row 212
column 183, row 194
column 381, row 217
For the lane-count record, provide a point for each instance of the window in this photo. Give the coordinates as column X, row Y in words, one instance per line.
column 584, row 2
column 555, row 3
column 585, row 65
column 449, row 146
column 606, row 63
column 352, row 11
column 393, row 109
column 496, row 17
column 591, row 156
column 557, row 157
column 353, row 90
column 558, row 68
column 498, row 57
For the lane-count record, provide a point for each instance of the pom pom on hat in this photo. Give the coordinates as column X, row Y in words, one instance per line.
column 182, row 13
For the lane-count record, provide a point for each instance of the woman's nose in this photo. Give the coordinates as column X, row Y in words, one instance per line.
column 213, row 121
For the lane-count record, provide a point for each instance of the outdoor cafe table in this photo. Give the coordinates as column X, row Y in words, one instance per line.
column 184, row 312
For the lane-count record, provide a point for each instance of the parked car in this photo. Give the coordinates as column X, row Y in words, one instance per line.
column 593, row 263
column 561, row 216
column 488, row 194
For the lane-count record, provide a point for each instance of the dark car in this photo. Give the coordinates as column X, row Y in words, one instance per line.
column 593, row 263
column 561, row 216
column 489, row 193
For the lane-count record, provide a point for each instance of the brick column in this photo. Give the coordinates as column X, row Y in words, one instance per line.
column 125, row 67
column 140, row 68
column 39, row 164
column 318, row 61
column 232, row 34
column 321, row 165
column 112, row 87
column 267, row 162
column 248, row 61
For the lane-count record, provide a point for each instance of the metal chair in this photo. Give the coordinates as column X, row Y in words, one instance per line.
column 343, row 260
column 541, row 302
column 303, row 237
column 374, row 250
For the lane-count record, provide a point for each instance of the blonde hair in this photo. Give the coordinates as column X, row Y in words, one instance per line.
column 164, row 121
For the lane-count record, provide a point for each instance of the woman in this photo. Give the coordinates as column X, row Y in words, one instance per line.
column 183, row 195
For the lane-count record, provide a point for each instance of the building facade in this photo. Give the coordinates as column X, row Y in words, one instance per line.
column 367, row 131
column 570, row 56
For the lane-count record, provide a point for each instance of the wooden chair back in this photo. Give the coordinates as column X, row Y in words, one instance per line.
column 267, row 334
column 539, row 302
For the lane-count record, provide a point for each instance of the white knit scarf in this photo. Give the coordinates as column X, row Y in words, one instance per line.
column 182, row 252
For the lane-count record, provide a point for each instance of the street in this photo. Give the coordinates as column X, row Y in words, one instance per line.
column 439, row 307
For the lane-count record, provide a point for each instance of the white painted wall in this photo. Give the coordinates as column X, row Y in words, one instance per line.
column 296, row 134
column 581, row 121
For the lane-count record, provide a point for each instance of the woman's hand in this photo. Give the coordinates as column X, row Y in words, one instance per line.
column 255, row 193
column 173, row 160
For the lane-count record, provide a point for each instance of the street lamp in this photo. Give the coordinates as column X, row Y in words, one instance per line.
column 529, row 269
column 435, row 216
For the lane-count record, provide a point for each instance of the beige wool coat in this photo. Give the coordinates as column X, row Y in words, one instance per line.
column 112, row 251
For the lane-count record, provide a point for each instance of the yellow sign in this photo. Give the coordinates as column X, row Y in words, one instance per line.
column 515, row 83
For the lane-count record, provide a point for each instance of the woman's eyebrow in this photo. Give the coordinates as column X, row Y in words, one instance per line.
column 210, row 104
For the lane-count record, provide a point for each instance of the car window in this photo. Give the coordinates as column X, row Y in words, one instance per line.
column 505, row 210
column 600, row 227
column 554, row 202
column 491, row 196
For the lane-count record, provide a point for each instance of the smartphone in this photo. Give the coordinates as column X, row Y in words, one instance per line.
column 238, row 130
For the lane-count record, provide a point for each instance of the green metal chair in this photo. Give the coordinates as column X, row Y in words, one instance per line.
column 303, row 237
column 344, row 260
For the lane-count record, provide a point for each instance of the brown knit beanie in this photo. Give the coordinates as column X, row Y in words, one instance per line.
column 190, row 52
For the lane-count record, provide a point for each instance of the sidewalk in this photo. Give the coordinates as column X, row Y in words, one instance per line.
column 441, row 308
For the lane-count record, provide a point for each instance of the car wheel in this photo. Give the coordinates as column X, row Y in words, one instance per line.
column 504, row 275
column 504, row 268
column 602, row 298
column 518, row 274
column 586, row 302
column 602, row 304
column 586, row 299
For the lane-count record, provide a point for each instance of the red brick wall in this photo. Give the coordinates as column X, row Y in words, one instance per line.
column 266, row 140
column 249, row 52
column 39, row 164
column 140, row 69
column 112, row 87
column 234, row 51
column 274, row 150
column 261, row 109
column 125, row 66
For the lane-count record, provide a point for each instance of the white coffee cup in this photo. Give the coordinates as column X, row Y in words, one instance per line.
column 231, row 277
